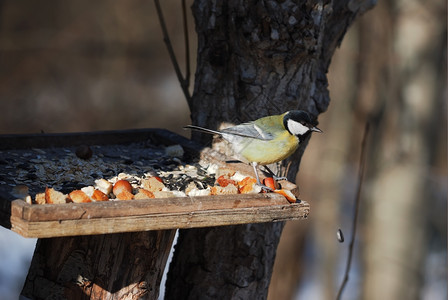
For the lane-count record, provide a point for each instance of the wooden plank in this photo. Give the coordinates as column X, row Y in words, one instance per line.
column 110, row 209
column 141, row 215
column 160, row 221
column 17, row 207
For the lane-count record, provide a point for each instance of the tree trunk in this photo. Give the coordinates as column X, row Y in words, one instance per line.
column 409, row 118
column 108, row 266
column 254, row 59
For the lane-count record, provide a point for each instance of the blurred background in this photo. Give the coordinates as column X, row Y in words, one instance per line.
column 69, row 66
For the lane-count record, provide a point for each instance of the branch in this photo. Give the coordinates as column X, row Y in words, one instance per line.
column 184, row 82
column 187, row 45
column 362, row 163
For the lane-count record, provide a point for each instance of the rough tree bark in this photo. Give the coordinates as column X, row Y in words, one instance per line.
column 108, row 266
column 255, row 58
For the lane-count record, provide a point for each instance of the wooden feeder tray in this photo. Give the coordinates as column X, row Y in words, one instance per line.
column 74, row 219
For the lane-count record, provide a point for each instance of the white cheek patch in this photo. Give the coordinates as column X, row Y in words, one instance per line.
column 296, row 128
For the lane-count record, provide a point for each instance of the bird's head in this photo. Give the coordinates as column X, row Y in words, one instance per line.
column 299, row 123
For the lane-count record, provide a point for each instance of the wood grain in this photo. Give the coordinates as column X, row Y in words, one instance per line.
column 178, row 218
column 110, row 209
column 111, row 266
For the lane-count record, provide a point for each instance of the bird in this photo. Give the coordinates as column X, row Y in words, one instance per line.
column 266, row 140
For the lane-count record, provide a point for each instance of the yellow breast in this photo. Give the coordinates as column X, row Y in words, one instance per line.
column 268, row 152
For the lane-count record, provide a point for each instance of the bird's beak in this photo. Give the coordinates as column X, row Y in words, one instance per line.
column 316, row 129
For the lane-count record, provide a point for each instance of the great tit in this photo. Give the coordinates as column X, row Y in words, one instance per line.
column 266, row 140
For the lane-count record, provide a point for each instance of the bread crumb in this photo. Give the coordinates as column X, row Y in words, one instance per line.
column 224, row 172
column 219, row 190
column 125, row 195
column 163, row 194
column 79, row 196
column 103, row 185
column 224, row 181
column 249, row 186
column 55, row 197
column 88, row 190
column 40, row 198
column 99, row 196
column 197, row 192
column 152, row 184
column 288, row 195
column 143, row 194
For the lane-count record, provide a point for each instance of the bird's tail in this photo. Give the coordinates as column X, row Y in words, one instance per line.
column 201, row 129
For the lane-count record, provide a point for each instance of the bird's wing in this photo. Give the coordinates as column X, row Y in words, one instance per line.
column 249, row 130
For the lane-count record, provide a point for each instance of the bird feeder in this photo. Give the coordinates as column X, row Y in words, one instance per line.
column 98, row 249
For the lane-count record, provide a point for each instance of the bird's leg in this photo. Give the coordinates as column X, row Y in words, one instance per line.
column 254, row 165
column 276, row 178
column 263, row 187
